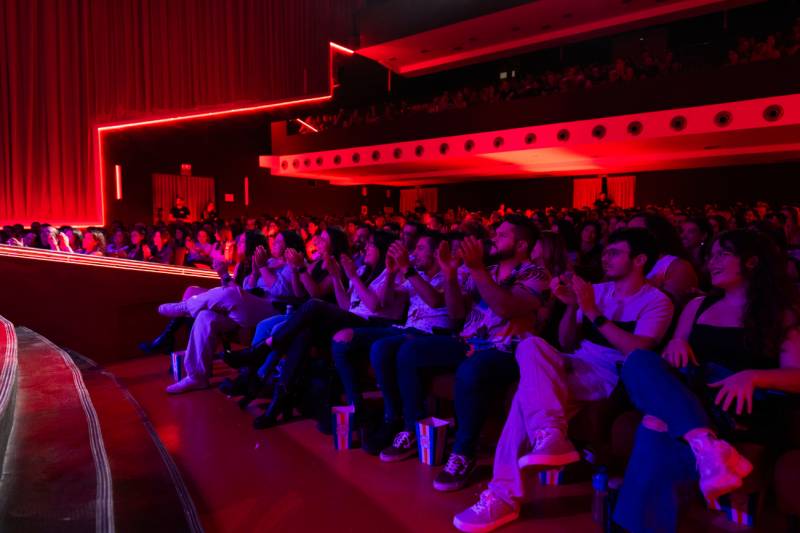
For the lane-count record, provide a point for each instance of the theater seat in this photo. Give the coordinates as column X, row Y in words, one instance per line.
column 591, row 428
column 787, row 473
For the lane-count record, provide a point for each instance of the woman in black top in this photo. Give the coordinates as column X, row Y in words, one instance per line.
column 736, row 348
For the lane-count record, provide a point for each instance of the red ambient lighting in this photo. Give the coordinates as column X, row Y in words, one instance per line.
column 333, row 48
column 118, row 181
column 307, row 125
column 246, row 191
column 102, row 262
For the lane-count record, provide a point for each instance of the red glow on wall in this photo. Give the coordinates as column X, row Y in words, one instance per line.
column 333, row 48
column 118, row 182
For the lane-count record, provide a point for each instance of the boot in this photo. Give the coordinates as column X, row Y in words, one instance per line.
column 248, row 357
column 165, row 342
column 280, row 405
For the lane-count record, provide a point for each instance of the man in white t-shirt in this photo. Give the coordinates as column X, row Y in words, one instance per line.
column 602, row 324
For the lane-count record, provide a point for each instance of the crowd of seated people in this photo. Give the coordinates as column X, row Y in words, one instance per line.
column 693, row 312
column 529, row 82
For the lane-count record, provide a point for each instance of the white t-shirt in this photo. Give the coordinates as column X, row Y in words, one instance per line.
column 659, row 271
column 647, row 313
column 357, row 307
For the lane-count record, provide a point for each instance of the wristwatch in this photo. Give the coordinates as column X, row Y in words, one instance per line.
column 599, row 321
column 411, row 271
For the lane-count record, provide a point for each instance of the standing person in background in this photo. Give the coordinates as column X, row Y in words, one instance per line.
column 179, row 211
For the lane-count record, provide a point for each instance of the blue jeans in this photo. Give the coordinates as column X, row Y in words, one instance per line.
column 662, row 465
column 381, row 343
column 479, row 377
column 265, row 328
column 314, row 323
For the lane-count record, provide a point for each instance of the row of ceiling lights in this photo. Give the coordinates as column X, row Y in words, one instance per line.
column 722, row 119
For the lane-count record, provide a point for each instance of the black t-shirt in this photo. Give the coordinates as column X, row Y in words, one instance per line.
column 179, row 213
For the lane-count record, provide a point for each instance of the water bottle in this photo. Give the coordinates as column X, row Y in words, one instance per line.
column 600, row 486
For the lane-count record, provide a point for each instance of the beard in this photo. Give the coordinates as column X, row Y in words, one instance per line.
column 495, row 255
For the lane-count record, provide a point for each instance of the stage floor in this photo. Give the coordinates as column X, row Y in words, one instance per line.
column 290, row 478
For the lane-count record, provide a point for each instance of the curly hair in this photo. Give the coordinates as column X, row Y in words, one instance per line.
column 771, row 296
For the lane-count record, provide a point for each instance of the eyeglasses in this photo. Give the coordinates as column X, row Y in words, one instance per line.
column 722, row 254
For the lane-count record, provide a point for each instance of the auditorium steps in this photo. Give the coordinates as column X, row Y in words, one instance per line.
column 81, row 455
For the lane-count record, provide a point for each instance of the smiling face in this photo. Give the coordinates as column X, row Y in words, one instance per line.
column 725, row 268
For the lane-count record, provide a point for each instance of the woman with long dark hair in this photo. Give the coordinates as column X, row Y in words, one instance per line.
column 735, row 348
column 315, row 323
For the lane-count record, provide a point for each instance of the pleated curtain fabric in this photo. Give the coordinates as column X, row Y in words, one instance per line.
column 67, row 66
column 428, row 195
column 585, row 191
column 622, row 189
column 196, row 191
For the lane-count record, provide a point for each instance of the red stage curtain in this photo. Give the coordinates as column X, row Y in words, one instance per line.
column 69, row 65
column 428, row 195
column 585, row 191
column 195, row 190
column 621, row 189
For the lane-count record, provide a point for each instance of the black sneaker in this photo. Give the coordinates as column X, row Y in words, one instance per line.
column 455, row 474
column 403, row 447
column 373, row 441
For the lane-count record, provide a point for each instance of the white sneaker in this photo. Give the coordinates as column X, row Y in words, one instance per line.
column 721, row 467
column 187, row 384
column 551, row 448
column 487, row 515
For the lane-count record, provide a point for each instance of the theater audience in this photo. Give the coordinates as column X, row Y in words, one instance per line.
column 419, row 281
column 497, row 305
column 160, row 249
column 93, row 242
column 358, row 303
column 602, row 324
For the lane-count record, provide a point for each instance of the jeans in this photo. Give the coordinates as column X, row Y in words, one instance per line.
column 265, row 328
column 314, row 323
column 662, row 464
column 382, row 345
column 478, row 377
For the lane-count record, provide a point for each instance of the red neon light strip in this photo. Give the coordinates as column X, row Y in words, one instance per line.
column 118, row 181
column 342, row 49
column 246, row 191
column 307, row 125
column 100, row 170
column 35, row 254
